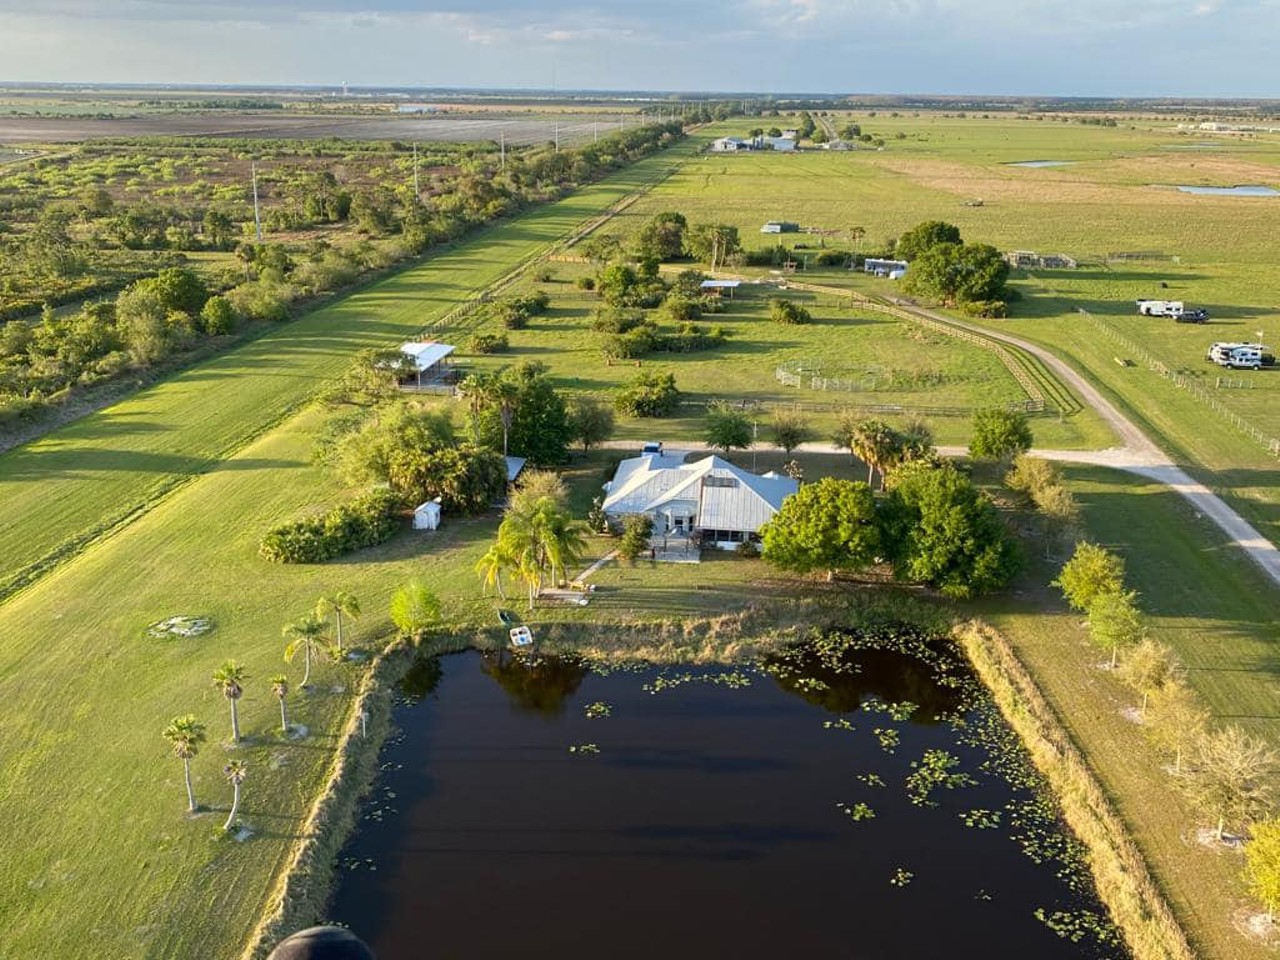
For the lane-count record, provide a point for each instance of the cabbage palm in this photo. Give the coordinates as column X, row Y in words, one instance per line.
column 340, row 604
column 185, row 734
column 280, row 687
column 229, row 678
column 539, row 538
column 306, row 635
column 234, row 772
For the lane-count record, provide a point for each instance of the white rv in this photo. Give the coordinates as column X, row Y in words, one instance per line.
column 1160, row 308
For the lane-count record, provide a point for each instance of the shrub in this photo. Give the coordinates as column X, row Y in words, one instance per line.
column 488, row 343
column 218, row 316
column 586, row 283
column 616, row 320
column 628, row 346
column 649, row 395
column 363, row 522
column 785, row 311
column 690, row 338
column 637, row 528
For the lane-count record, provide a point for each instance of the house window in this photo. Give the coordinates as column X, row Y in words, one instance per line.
column 714, row 481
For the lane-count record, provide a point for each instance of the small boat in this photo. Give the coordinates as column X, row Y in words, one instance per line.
column 521, row 636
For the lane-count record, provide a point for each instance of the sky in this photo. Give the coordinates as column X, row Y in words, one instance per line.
column 1210, row 48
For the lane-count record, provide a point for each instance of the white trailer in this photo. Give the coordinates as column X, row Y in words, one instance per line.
column 1160, row 308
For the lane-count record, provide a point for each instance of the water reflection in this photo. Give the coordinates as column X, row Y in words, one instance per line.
column 880, row 674
column 421, row 679
column 535, row 684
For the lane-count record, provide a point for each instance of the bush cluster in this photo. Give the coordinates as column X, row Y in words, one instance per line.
column 514, row 312
column 363, row 522
column 488, row 343
column 786, row 311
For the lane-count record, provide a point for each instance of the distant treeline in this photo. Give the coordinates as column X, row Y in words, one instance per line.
column 158, row 318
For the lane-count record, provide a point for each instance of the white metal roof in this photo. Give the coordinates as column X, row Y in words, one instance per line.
column 723, row 496
column 426, row 355
column 721, row 284
column 514, row 466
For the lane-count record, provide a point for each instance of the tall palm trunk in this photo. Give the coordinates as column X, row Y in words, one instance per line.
column 235, row 722
column 306, row 659
column 284, row 718
column 338, row 616
column 235, row 806
column 191, row 793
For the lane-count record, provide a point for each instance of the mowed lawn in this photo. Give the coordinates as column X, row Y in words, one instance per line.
column 86, row 479
column 103, row 861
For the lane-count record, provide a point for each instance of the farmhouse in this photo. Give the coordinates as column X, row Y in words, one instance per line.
column 730, row 145
column 780, row 226
column 723, row 502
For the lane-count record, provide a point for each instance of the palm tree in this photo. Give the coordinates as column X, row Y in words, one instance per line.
column 539, row 539
column 234, row 772
column 280, row 687
column 504, row 395
column 230, row 678
column 490, row 568
column 474, row 388
column 340, row 603
column 186, row 734
column 306, row 635
column 873, row 442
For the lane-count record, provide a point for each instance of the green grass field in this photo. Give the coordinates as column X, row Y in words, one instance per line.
column 86, row 479
column 1117, row 195
column 106, row 848
column 201, row 465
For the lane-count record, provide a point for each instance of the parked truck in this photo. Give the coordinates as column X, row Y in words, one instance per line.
column 1160, row 308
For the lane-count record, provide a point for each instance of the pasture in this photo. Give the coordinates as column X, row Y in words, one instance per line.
column 154, row 508
column 1117, row 195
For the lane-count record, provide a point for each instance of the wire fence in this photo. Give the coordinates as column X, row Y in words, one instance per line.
column 1191, row 385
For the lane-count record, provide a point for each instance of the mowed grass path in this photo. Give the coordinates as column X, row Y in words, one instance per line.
column 86, row 479
column 102, row 860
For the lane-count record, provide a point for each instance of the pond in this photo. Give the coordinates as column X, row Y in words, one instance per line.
column 1041, row 163
column 1243, row 190
column 844, row 800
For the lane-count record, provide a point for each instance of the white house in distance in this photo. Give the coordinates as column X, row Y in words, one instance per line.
column 727, row 504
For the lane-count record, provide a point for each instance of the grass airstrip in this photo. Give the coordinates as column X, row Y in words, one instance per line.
column 154, row 508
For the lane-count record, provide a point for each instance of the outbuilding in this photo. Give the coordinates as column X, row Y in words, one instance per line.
column 426, row 516
column 430, row 359
column 717, row 288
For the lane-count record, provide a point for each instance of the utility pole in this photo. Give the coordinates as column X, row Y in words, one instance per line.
column 257, row 216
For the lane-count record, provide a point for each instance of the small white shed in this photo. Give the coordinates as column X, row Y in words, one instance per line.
column 427, row 516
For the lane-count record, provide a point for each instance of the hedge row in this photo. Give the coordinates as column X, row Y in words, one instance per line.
column 363, row 522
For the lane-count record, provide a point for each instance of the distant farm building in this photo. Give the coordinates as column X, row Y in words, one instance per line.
column 783, row 144
column 430, row 364
column 893, row 269
column 1030, row 260
column 780, row 226
column 717, row 288
column 730, row 145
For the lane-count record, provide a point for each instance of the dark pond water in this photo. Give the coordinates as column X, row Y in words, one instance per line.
column 720, row 817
